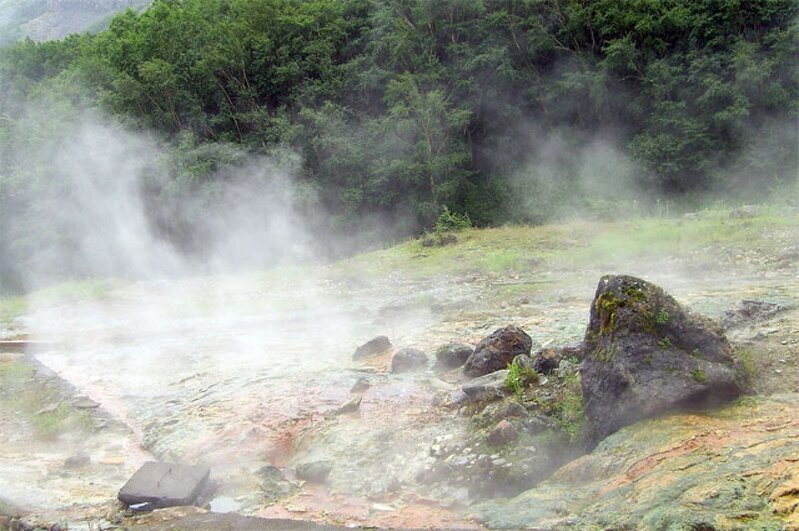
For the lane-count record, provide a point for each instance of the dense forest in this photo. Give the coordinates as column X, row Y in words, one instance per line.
column 508, row 110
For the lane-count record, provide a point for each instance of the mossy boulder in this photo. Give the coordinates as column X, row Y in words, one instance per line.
column 646, row 355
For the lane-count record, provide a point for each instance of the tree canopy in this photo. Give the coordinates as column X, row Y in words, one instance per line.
column 504, row 109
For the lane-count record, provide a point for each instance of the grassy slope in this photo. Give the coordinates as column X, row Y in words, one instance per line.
column 520, row 256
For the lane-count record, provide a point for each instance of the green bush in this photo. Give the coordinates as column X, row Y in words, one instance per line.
column 452, row 221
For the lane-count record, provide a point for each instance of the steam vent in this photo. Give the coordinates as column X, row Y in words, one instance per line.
column 159, row 485
column 647, row 355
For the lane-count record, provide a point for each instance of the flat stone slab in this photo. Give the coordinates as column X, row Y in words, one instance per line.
column 161, row 485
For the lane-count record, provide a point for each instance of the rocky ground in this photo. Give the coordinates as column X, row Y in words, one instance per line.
column 254, row 377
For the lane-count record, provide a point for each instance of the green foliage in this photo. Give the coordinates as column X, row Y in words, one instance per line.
column 747, row 368
column 665, row 343
column 519, row 378
column 662, row 317
column 570, row 411
column 452, row 221
column 398, row 108
column 699, row 376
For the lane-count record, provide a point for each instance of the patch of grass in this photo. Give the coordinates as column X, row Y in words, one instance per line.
column 40, row 403
column 665, row 343
column 11, row 308
column 520, row 378
column 73, row 290
column 699, row 376
column 746, row 365
column 570, row 411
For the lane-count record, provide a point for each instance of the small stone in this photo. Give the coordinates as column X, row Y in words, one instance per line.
column 349, row 407
column 488, row 387
column 408, row 359
column 502, row 434
column 361, row 385
column 78, row 460
column 373, row 347
column 452, row 356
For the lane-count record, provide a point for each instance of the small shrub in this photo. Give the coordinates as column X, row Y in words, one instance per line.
column 699, row 376
column 570, row 411
column 519, row 377
column 665, row 343
column 662, row 317
column 452, row 221
column 746, row 365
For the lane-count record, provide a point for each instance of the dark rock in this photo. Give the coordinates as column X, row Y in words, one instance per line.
column 646, row 355
column 452, row 356
column 361, row 385
column 373, row 347
column 547, row 360
column 502, row 434
column 513, row 410
column 165, row 485
column 498, row 350
column 408, row 359
column 487, row 387
column 537, row 424
column 314, row 472
column 749, row 312
column 78, row 460
column 349, row 407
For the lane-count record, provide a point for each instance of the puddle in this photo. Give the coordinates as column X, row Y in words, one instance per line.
column 224, row 504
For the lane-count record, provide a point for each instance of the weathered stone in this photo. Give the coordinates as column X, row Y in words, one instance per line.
column 314, row 472
column 487, row 387
column 79, row 460
column 512, row 410
column 408, row 359
column 646, row 355
column 502, row 434
column 350, row 406
column 452, row 356
column 750, row 312
column 165, row 485
column 547, row 360
column 496, row 351
column 372, row 347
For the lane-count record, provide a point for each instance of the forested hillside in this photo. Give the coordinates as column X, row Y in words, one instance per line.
column 54, row 19
column 507, row 110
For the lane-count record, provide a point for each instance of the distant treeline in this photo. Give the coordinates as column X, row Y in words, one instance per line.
column 401, row 107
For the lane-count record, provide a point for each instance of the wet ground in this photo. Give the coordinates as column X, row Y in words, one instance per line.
column 237, row 374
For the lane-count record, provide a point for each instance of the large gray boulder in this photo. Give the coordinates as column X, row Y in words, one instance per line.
column 646, row 355
column 487, row 387
column 497, row 351
column 157, row 485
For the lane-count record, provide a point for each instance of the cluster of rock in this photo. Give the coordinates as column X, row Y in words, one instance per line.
column 642, row 355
